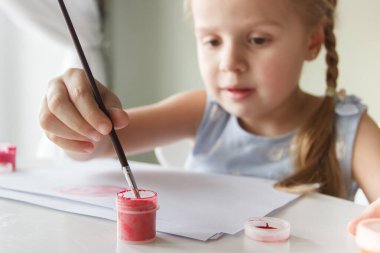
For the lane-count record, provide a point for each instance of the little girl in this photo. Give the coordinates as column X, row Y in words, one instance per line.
column 252, row 118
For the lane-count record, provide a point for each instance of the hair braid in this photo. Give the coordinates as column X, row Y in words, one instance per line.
column 315, row 153
column 330, row 45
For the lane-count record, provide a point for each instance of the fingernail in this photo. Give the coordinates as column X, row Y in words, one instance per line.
column 95, row 136
column 103, row 128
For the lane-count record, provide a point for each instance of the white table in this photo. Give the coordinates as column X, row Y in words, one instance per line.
column 318, row 225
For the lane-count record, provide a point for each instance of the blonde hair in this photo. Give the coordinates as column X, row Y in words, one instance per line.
column 315, row 151
column 315, row 159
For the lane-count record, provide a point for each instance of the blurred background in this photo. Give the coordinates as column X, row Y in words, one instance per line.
column 144, row 50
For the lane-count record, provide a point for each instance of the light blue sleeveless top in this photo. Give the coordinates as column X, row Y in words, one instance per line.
column 222, row 146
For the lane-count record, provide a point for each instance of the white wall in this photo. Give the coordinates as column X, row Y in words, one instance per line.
column 152, row 50
column 153, row 53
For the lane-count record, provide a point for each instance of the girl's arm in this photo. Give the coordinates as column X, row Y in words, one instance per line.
column 366, row 158
column 172, row 119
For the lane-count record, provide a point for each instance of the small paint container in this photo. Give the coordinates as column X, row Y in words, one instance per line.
column 267, row 229
column 368, row 236
column 7, row 158
column 136, row 217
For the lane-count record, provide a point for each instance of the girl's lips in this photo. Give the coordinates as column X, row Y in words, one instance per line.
column 238, row 93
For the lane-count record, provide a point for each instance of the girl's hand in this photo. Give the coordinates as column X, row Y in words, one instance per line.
column 71, row 117
column 372, row 211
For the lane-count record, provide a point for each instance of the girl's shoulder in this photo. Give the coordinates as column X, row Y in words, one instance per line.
column 349, row 105
column 349, row 111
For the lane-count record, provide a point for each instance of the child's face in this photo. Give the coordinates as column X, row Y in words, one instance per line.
column 250, row 53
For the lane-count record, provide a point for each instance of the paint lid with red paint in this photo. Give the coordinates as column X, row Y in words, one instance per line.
column 267, row 229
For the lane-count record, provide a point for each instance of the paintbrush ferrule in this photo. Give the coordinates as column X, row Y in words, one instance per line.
column 131, row 182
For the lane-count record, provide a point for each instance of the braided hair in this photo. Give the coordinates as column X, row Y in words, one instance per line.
column 315, row 157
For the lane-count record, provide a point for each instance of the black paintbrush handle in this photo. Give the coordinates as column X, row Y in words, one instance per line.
column 115, row 140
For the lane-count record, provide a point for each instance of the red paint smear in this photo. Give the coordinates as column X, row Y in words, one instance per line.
column 91, row 190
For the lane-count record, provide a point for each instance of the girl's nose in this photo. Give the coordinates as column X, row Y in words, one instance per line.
column 232, row 59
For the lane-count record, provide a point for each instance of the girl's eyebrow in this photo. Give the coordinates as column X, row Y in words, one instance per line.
column 204, row 29
column 268, row 22
column 248, row 24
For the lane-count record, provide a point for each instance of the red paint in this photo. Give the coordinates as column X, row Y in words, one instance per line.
column 266, row 227
column 136, row 218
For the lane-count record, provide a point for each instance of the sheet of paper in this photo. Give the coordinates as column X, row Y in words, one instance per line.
column 100, row 212
column 195, row 205
column 60, row 204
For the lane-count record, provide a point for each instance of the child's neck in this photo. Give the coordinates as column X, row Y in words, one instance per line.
column 289, row 117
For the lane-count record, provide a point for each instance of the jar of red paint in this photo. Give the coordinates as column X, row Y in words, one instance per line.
column 136, row 217
column 7, row 158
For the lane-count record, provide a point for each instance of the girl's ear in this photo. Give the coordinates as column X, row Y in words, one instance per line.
column 316, row 40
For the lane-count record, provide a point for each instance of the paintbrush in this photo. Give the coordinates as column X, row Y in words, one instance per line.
column 115, row 140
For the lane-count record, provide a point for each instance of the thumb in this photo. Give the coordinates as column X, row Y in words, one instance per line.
column 114, row 108
column 119, row 117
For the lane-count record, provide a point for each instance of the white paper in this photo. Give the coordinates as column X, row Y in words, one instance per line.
column 60, row 204
column 195, row 205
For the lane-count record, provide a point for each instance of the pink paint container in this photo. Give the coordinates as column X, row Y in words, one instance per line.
column 267, row 229
column 136, row 217
column 368, row 236
column 7, row 158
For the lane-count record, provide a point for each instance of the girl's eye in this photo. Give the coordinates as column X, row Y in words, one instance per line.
column 212, row 42
column 259, row 40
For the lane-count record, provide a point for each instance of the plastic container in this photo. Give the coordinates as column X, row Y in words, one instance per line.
column 136, row 217
column 7, row 158
column 368, row 236
column 267, row 229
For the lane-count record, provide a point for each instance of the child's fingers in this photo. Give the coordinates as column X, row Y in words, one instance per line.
column 119, row 118
column 59, row 104
column 84, row 102
column 71, row 145
column 118, row 115
column 53, row 125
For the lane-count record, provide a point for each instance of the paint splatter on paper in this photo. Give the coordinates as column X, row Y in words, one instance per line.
column 91, row 190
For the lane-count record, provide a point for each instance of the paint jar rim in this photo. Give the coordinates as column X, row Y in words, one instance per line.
column 127, row 203
column 267, row 229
